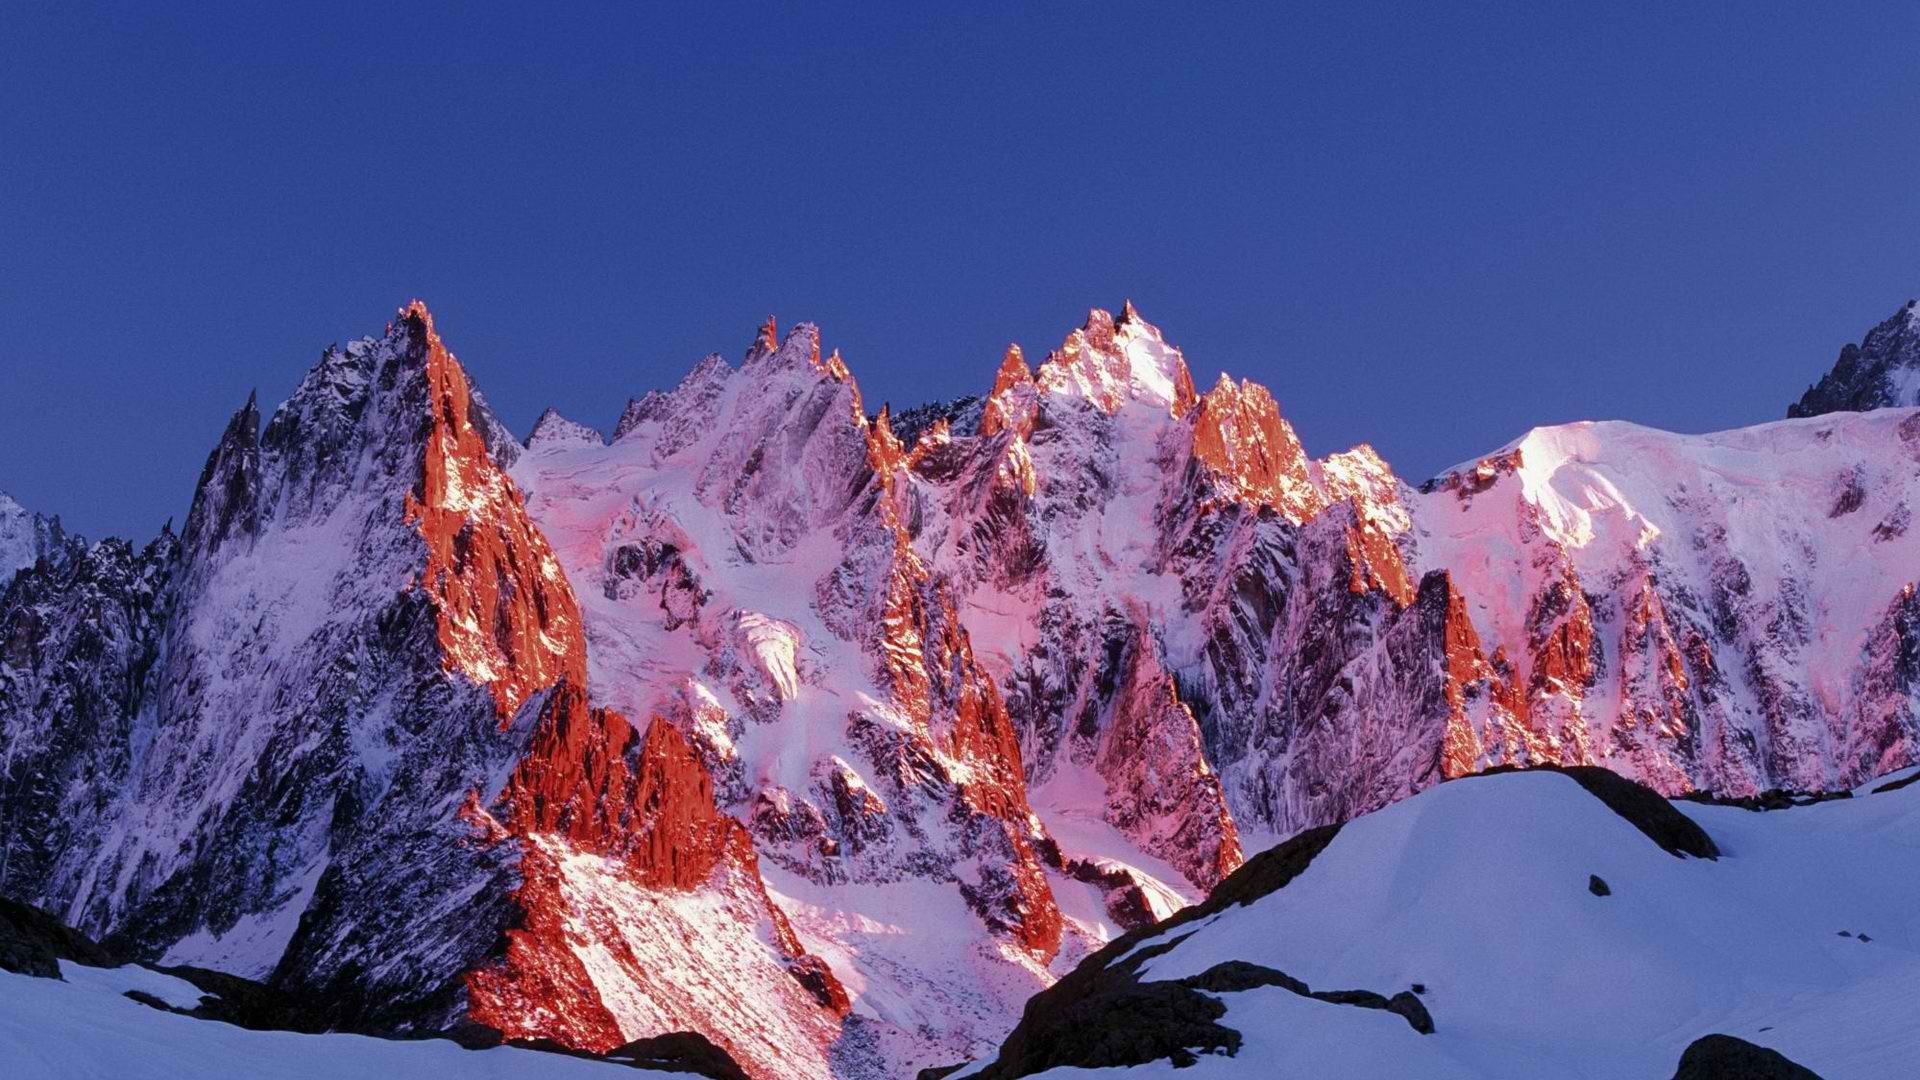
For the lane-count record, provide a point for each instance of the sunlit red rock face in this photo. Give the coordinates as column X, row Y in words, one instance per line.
column 612, row 830
column 507, row 616
column 624, row 851
column 1251, row 453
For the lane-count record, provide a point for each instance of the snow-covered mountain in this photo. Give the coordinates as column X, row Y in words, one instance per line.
column 25, row 537
column 1729, row 612
column 1517, row 926
column 761, row 720
column 337, row 735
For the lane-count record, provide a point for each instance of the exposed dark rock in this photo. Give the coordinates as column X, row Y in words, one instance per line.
column 679, row 1051
column 1896, row 785
column 1100, row 1015
column 1597, row 886
column 1236, row 975
column 148, row 1000
column 33, row 942
column 1647, row 811
column 676, row 1051
column 1865, row 375
column 1265, row 873
column 1415, row 1010
column 1774, row 799
column 245, row 1003
column 1723, row 1057
column 1233, row 976
column 1644, row 808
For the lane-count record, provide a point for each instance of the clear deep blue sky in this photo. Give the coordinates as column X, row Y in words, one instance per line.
column 1425, row 230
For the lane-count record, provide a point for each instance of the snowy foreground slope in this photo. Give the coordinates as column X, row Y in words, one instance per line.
column 82, row 1027
column 1802, row 936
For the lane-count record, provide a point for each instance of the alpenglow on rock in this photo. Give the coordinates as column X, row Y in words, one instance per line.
column 761, row 720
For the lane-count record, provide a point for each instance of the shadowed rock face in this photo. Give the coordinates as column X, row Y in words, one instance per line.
column 33, row 942
column 1883, row 371
column 1723, row 1057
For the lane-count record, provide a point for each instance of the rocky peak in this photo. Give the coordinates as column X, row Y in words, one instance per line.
column 638, row 411
column 508, row 617
column 1249, row 452
column 1111, row 363
column 226, row 503
column 1882, row 371
column 1011, row 403
column 25, row 538
column 1013, row 371
column 766, row 341
column 553, row 431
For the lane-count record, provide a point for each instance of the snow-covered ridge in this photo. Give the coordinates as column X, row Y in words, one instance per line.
column 1746, row 591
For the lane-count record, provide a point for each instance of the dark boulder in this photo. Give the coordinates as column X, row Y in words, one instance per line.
column 1597, row 886
column 1723, row 1057
column 33, row 942
column 679, row 1051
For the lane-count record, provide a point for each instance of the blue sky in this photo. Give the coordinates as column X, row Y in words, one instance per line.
column 1429, row 230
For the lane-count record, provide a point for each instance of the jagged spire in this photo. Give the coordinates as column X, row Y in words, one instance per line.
column 226, row 501
column 768, row 339
column 1013, row 371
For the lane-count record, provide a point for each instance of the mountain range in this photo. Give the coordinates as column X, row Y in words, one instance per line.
column 835, row 736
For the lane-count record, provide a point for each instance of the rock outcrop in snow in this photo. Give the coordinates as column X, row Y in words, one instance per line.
column 1881, row 372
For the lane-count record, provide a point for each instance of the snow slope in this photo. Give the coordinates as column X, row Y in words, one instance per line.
column 1478, row 890
column 81, row 1027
